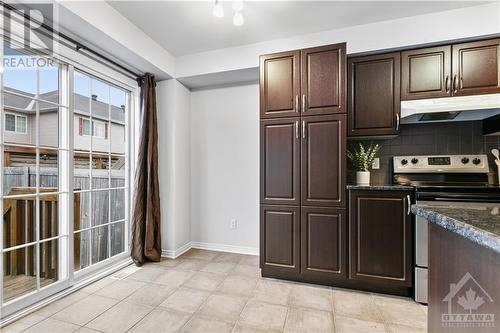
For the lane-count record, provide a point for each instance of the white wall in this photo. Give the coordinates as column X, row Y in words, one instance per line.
column 225, row 167
column 174, row 164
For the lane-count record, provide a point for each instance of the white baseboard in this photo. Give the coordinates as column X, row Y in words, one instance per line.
column 226, row 248
column 172, row 254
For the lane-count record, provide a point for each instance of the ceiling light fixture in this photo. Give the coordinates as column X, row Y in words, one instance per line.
column 218, row 10
column 238, row 19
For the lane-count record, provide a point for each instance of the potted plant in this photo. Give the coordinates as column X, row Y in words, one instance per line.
column 362, row 159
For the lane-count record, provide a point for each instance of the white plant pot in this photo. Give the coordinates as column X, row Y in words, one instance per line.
column 363, row 178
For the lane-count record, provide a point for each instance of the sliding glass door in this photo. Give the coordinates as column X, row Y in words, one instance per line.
column 64, row 159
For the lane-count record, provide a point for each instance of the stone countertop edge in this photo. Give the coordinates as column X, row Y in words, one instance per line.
column 381, row 187
column 477, row 235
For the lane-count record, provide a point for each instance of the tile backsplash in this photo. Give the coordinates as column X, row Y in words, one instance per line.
column 431, row 139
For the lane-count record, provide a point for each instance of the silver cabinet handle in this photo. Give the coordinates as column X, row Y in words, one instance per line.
column 296, row 103
column 455, row 89
column 397, row 121
column 304, row 109
column 297, row 129
column 303, row 129
column 408, row 200
column 447, row 84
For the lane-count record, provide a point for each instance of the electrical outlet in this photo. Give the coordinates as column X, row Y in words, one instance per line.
column 376, row 163
column 233, row 224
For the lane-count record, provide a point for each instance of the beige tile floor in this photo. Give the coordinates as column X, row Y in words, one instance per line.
column 205, row 291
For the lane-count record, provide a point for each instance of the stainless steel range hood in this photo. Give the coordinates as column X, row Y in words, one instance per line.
column 461, row 108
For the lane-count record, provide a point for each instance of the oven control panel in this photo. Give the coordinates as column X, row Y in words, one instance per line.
column 441, row 163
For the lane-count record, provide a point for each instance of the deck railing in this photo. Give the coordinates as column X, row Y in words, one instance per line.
column 19, row 215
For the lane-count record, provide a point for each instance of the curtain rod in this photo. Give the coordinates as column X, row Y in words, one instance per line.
column 78, row 46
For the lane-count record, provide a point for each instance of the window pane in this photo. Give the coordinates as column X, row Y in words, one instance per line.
column 49, row 261
column 18, row 221
column 81, row 171
column 117, row 198
column 87, row 130
column 48, row 221
column 100, row 207
column 117, row 238
column 81, row 209
column 100, row 244
column 49, row 170
column 81, row 244
column 118, row 171
column 117, row 125
column 49, row 80
column 49, row 124
column 19, row 72
column 100, row 171
column 19, row 171
column 10, row 122
column 19, row 276
column 81, row 95
column 15, row 109
column 100, row 94
column 21, row 124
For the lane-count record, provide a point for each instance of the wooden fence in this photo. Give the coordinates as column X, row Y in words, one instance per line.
column 16, row 178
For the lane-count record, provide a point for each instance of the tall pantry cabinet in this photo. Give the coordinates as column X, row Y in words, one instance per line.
column 302, row 164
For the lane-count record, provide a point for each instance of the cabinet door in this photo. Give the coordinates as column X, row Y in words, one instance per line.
column 323, row 79
column 426, row 73
column 374, row 95
column 280, row 85
column 381, row 232
column 476, row 68
column 280, row 161
column 279, row 238
column 324, row 242
column 323, row 160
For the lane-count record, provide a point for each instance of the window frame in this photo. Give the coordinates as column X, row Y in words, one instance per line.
column 16, row 116
column 78, row 59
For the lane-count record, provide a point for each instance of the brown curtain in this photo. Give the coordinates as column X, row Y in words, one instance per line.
column 146, row 222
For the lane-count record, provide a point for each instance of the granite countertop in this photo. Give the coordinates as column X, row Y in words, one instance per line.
column 387, row 187
column 479, row 223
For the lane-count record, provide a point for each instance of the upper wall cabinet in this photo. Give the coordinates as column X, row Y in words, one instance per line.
column 323, row 79
column 426, row 73
column 374, row 95
column 280, row 84
column 451, row 70
column 476, row 68
column 309, row 81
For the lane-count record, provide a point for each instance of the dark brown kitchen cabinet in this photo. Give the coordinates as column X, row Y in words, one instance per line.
column 374, row 95
column 476, row 68
column 280, row 84
column 323, row 79
column 324, row 242
column 380, row 229
column 280, row 239
column 280, row 161
column 323, row 160
column 426, row 73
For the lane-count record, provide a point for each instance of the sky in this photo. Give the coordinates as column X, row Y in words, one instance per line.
column 19, row 72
